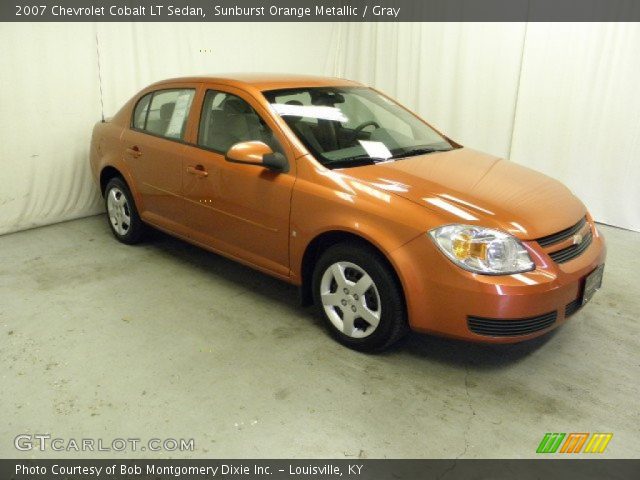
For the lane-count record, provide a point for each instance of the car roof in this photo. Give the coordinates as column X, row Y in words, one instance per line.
column 265, row 81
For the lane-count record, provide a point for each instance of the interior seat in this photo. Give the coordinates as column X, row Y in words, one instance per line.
column 166, row 112
column 302, row 128
column 232, row 122
column 243, row 123
column 326, row 133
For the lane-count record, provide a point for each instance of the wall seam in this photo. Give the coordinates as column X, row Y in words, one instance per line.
column 99, row 73
column 518, row 84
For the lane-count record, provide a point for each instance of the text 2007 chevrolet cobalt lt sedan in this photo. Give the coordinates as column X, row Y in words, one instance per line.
column 384, row 222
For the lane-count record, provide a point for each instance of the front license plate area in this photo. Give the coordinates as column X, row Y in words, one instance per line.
column 592, row 283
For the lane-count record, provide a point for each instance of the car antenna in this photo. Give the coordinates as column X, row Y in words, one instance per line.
column 99, row 77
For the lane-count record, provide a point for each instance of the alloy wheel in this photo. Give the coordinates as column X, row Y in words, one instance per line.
column 350, row 299
column 119, row 211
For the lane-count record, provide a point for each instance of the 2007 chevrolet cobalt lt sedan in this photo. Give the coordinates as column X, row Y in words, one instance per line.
column 383, row 222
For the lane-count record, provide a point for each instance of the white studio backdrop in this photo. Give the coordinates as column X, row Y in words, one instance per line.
column 50, row 94
column 560, row 98
column 578, row 114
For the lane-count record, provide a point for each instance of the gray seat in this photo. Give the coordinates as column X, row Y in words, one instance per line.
column 166, row 112
column 216, row 136
column 243, row 124
column 303, row 129
column 235, row 122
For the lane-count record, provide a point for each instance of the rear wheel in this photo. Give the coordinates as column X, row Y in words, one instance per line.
column 359, row 297
column 122, row 214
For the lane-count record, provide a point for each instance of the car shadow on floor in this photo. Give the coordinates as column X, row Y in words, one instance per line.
column 223, row 269
column 480, row 356
column 420, row 346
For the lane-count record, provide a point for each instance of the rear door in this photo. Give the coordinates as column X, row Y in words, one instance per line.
column 154, row 152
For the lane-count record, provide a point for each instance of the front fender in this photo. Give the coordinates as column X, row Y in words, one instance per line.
column 326, row 200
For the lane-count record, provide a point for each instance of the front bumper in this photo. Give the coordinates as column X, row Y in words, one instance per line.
column 446, row 300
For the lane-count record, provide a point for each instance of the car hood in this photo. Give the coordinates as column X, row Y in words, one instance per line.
column 466, row 186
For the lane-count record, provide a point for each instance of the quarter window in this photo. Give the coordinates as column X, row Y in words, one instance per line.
column 165, row 114
column 140, row 112
column 227, row 119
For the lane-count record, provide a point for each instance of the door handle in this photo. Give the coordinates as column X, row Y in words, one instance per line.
column 134, row 151
column 198, row 170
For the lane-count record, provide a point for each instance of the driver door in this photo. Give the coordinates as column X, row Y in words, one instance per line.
column 239, row 210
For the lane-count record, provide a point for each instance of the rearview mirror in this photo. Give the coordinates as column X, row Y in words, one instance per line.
column 259, row 154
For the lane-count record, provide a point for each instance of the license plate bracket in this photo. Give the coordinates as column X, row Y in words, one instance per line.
column 592, row 284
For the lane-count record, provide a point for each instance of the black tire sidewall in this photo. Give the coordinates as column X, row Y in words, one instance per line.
column 393, row 321
column 136, row 229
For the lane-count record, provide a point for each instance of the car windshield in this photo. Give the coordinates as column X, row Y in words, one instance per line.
column 352, row 126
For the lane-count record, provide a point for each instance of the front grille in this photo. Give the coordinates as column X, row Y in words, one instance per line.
column 562, row 235
column 573, row 251
column 572, row 307
column 510, row 327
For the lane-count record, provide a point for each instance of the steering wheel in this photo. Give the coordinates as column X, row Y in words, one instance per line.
column 362, row 126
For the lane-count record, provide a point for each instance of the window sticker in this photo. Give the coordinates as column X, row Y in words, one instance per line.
column 180, row 112
column 376, row 149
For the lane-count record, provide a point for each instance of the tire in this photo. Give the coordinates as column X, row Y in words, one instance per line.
column 122, row 214
column 351, row 303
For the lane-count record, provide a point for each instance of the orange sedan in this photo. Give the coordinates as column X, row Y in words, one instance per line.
column 383, row 222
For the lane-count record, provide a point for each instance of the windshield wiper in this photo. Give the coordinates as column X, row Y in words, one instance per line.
column 356, row 161
column 360, row 160
column 419, row 151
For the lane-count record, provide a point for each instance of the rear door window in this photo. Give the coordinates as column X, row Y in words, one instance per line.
column 166, row 114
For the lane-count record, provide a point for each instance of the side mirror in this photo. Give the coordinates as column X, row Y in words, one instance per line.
column 259, row 154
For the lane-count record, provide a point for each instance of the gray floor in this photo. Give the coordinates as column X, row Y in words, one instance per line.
column 163, row 340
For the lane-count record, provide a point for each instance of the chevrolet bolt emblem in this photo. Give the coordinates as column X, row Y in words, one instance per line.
column 577, row 239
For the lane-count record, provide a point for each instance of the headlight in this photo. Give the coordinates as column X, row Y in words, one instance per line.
column 482, row 250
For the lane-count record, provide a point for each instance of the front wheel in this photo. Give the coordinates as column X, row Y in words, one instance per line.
column 122, row 214
column 359, row 296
